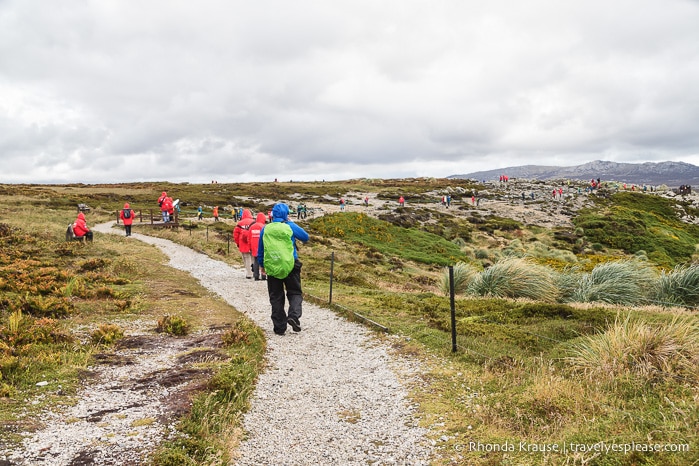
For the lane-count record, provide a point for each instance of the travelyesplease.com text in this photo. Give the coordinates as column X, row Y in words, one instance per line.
column 570, row 447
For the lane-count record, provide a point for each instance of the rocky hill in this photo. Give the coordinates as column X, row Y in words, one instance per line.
column 672, row 174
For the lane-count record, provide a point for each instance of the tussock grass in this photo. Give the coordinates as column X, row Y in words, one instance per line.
column 641, row 349
column 619, row 282
column 679, row 286
column 463, row 274
column 515, row 278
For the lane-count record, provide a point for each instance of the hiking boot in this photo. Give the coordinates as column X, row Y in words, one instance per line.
column 295, row 324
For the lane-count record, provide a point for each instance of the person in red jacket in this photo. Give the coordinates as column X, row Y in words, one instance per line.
column 126, row 215
column 80, row 228
column 241, row 237
column 166, row 208
column 161, row 200
column 254, row 232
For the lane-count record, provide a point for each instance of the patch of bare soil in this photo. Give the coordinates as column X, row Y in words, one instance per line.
column 131, row 398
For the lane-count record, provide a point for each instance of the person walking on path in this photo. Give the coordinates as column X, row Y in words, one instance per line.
column 200, row 213
column 278, row 259
column 254, row 230
column 215, row 213
column 126, row 215
column 401, row 201
column 241, row 237
column 80, row 229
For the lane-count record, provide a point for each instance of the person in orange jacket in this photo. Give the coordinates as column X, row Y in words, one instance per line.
column 215, row 213
column 126, row 215
column 254, row 232
column 241, row 237
column 80, row 228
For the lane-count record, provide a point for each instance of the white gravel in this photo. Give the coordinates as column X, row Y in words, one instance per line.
column 332, row 394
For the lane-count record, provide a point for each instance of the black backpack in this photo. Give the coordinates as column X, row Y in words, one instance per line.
column 127, row 213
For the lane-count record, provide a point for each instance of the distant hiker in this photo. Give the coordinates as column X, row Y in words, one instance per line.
column 215, row 214
column 342, row 204
column 448, row 200
column 255, row 229
column 80, row 229
column 126, row 215
column 166, row 207
column 401, row 201
column 299, row 209
column 366, row 201
column 170, row 209
column 163, row 210
column 200, row 213
column 241, row 237
column 473, row 200
column 278, row 258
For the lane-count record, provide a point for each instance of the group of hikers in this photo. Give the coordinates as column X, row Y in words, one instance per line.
column 268, row 251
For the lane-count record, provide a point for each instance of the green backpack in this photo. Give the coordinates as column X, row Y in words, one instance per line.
column 278, row 250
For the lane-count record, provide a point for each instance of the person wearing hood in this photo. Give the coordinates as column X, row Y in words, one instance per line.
column 165, row 206
column 126, row 215
column 241, row 237
column 278, row 259
column 163, row 210
column 80, row 228
column 254, row 230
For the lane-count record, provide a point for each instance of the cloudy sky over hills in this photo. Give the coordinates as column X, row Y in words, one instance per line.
column 118, row 90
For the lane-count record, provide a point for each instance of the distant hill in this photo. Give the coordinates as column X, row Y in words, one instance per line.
column 672, row 174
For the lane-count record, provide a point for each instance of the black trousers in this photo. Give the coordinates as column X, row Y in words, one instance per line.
column 276, row 288
column 127, row 229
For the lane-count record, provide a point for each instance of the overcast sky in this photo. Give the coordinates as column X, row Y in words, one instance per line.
column 176, row 90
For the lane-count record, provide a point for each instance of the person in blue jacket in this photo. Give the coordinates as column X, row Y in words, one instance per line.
column 278, row 259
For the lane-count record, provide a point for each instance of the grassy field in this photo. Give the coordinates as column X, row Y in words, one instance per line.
column 584, row 352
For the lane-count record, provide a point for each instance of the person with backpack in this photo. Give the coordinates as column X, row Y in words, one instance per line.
column 241, row 237
column 126, row 215
column 278, row 259
column 254, row 230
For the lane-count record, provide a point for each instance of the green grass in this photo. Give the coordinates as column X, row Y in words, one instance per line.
column 406, row 243
column 635, row 222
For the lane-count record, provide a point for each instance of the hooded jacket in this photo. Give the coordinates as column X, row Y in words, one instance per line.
column 280, row 215
column 254, row 230
column 80, row 226
column 241, row 235
column 127, row 221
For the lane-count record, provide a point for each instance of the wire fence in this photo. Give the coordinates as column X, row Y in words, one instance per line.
column 456, row 341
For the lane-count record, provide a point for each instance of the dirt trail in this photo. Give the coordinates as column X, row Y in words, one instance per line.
column 332, row 393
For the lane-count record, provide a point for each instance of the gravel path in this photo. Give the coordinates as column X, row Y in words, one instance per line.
column 332, row 394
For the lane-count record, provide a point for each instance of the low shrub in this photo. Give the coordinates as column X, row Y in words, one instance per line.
column 173, row 325
column 107, row 334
